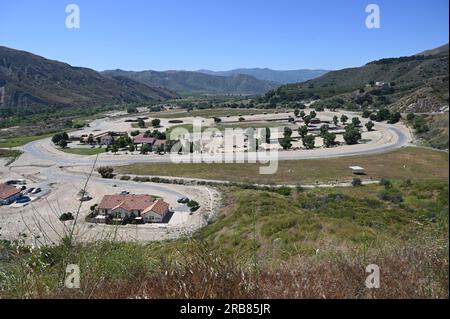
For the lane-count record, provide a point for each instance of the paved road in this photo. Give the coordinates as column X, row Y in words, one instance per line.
column 43, row 150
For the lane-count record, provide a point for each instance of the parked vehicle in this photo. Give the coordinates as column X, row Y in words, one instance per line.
column 36, row 190
column 183, row 200
column 23, row 199
column 30, row 190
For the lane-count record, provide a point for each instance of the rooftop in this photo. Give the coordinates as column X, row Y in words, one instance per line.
column 7, row 191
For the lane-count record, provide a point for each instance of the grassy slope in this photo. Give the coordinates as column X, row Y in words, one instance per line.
column 437, row 136
column 349, row 228
column 412, row 163
column 342, row 219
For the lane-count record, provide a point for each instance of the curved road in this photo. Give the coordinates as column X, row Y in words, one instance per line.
column 44, row 150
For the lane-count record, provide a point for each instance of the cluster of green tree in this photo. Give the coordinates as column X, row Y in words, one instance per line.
column 383, row 115
column 155, row 134
column 60, row 139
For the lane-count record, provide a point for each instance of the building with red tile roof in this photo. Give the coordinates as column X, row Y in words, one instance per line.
column 8, row 194
column 131, row 205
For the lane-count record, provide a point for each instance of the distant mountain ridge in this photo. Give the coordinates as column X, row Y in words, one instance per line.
column 279, row 76
column 417, row 83
column 186, row 82
column 28, row 80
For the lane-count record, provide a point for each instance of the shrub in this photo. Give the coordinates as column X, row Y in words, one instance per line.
column 356, row 182
column 106, row 171
column 284, row 190
column 125, row 178
column 386, row 183
column 391, row 195
column 193, row 205
column 66, row 216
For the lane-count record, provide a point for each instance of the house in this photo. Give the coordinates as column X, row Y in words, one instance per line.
column 133, row 206
column 141, row 140
column 8, row 194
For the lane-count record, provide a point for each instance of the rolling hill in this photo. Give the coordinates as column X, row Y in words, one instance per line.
column 283, row 77
column 188, row 82
column 417, row 83
column 31, row 81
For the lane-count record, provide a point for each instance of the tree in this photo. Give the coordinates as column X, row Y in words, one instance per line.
column 291, row 119
column 313, row 114
column 60, row 136
column 335, row 120
column 135, row 133
column 352, row 135
column 62, row 143
column 356, row 121
column 106, row 171
column 324, row 130
column 132, row 109
column 366, row 114
column 369, row 126
column 329, row 139
column 307, row 119
column 383, row 115
column 145, row 149
column 344, row 119
column 131, row 148
column 241, row 119
column 56, row 138
column 309, row 141
column 394, row 118
column 114, row 148
column 303, row 131
column 297, row 112
column 141, row 123
column 286, row 142
column 217, row 120
column 156, row 122
column 302, row 114
column 287, row 132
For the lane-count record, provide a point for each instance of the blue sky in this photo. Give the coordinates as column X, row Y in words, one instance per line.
column 222, row 34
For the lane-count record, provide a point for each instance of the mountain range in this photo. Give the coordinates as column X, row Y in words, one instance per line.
column 278, row 76
column 28, row 80
column 417, row 83
column 191, row 82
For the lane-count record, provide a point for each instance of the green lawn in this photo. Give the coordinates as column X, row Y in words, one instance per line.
column 407, row 163
column 84, row 151
column 19, row 141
